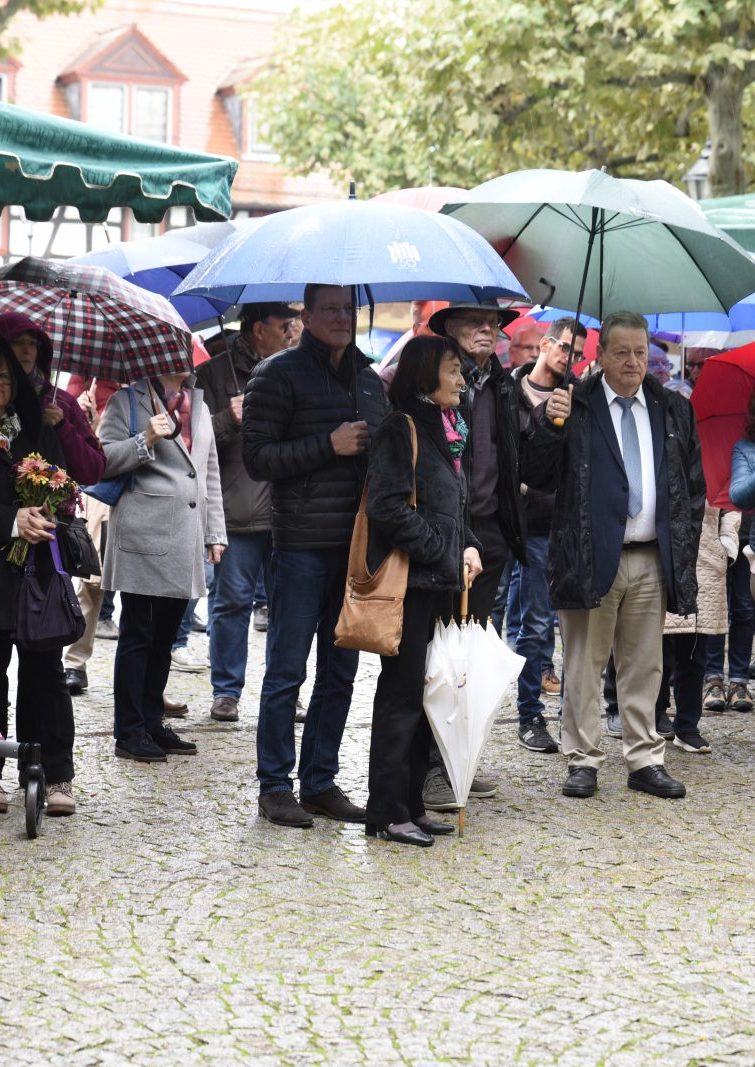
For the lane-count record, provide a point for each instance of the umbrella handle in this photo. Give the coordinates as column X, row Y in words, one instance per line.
column 464, row 605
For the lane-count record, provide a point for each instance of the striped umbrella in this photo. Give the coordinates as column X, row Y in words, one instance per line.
column 100, row 325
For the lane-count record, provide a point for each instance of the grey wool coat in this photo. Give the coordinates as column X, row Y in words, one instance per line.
column 157, row 532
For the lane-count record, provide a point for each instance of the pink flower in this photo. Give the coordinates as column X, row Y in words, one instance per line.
column 58, row 479
column 4, row 443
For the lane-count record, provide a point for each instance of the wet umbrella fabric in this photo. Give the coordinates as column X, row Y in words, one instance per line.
column 386, row 251
column 100, row 325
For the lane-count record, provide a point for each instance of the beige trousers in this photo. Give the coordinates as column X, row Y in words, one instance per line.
column 629, row 620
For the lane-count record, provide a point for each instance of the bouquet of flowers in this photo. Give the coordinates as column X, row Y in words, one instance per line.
column 42, row 485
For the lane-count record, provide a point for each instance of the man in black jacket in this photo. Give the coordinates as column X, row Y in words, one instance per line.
column 624, row 542
column 264, row 331
column 308, row 413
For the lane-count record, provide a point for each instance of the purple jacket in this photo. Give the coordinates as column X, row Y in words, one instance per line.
column 84, row 458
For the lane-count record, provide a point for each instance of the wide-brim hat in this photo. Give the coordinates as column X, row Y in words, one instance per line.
column 437, row 322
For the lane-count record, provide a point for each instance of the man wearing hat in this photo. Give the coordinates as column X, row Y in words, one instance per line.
column 499, row 457
column 264, row 331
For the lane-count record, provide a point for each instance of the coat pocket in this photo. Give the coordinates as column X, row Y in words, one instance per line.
column 145, row 524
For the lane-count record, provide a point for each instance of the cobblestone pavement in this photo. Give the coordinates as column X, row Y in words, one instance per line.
column 166, row 923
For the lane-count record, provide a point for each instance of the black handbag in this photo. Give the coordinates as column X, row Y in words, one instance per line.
column 48, row 616
column 77, row 549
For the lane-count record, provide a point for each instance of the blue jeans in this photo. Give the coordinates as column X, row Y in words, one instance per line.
column 231, row 608
column 306, row 593
column 740, row 628
column 502, row 595
column 534, row 640
column 184, row 628
column 260, row 593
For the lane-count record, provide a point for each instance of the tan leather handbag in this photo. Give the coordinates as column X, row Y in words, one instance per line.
column 372, row 615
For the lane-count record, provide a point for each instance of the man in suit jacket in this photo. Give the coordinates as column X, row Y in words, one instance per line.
column 623, row 547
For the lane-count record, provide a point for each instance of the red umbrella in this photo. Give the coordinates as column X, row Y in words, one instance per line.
column 428, row 197
column 721, row 398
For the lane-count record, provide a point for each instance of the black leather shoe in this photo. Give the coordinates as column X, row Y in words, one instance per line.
column 142, row 749
column 283, row 809
column 76, row 681
column 334, row 804
column 400, row 837
column 580, row 782
column 434, row 826
column 656, row 781
column 171, row 743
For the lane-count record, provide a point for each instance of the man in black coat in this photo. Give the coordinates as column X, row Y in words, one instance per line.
column 308, row 413
column 624, row 541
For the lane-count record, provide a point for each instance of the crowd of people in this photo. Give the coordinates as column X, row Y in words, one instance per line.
column 570, row 502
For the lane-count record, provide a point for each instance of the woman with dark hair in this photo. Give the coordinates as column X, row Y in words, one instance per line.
column 426, row 389
column 44, row 712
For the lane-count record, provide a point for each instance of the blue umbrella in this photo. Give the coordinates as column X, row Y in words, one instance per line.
column 384, row 250
column 674, row 323
column 159, row 264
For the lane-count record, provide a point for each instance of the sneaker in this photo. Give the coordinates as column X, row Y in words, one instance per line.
column 738, row 698
column 225, row 709
column 613, row 724
column 714, row 697
column 171, row 743
column 260, row 619
column 534, row 736
column 751, row 671
column 437, row 794
column 664, row 726
column 3, row 801
column 76, row 681
column 106, row 629
column 301, row 712
column 284, row 809
column 142, row 749
column 181, row 659
column 59, row 797
column 692, row 742
column 334, row 804
column 550, row 682
column 482, row 789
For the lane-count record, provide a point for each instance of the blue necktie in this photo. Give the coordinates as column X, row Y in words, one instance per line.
column 630, row 443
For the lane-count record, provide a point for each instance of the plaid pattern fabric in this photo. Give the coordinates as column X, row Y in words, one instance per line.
column 100, row 325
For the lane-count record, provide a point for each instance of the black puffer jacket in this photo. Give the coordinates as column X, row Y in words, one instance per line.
column 292, row 404
column 434, row 535
column 580, row 519
column 529, row 448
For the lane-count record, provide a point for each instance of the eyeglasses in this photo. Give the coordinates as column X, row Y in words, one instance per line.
column 332, row 311
column 563, row 345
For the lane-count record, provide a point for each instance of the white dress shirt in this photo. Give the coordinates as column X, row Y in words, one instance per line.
column 642, row 526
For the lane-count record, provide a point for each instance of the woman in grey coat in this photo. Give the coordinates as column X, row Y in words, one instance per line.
column 158, row 535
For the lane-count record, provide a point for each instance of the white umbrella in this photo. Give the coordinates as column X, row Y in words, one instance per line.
column 467, row 673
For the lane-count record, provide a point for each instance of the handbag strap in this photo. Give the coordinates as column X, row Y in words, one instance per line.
column 132, row 411
column 31, row 559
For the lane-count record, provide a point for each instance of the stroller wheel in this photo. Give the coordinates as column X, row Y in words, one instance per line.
column 35, row 802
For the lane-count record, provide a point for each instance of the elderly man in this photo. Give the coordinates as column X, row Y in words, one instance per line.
column 624, row 541
column 502, row 451
column 306, row 432
column 525, row 344
column 264, row 330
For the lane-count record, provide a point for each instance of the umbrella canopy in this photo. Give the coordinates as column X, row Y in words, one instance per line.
column 468, row 671
column 100, row 326
column 721, row 398
column 46, row 162
column 599, row 244
column 159, row 264
column 387, row 251
column 734, row 215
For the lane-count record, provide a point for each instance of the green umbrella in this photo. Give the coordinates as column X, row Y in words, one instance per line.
column 734, row 215
column 47, row 162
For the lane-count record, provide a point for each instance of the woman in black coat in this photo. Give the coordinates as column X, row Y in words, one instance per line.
column 427, row 387
column 43, row 704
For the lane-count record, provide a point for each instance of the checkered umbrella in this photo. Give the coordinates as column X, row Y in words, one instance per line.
column 100, row 325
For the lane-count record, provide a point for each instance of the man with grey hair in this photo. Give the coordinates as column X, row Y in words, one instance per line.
column 624, row 541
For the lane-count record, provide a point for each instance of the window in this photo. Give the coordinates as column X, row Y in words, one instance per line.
column 140, row 110
column 257, row 131
column 107, row 107
column 3, row 87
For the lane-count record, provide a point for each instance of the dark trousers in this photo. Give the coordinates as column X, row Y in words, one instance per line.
column 684, row 658
column 494, row 554
column 148, row 627
column 44, row 711
column 399, row 746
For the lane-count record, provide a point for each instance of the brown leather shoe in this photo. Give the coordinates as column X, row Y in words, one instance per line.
column 550, row 682
column 174, row 709
column 225, row 709
column 3, row 801
column 334, row 804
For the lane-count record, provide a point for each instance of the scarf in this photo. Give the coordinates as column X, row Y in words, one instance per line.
column 10, row 425
column 456, row 431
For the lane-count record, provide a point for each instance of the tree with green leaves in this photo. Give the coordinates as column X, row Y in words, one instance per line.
column 42, row 9
column 395, row 93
